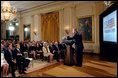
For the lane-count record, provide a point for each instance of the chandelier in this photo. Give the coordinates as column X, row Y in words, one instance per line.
column 7, row 12
column 108, row 3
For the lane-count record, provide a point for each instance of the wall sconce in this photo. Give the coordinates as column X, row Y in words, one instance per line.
column 67, row 30
column 35, row 31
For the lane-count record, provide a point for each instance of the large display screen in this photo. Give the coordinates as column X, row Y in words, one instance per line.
column 110, row 27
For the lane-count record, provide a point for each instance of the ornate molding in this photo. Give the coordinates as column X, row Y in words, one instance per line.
column 43, row 6
column 43, row 9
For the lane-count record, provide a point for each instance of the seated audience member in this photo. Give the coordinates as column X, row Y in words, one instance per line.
column 39, row 46
column 10, row 58
column 40, row 49
column 35, row 47
column 4, row 64
column 32, row 50
column 3, row 42
column 20, row 60
column 27, row 47
column 46, row 52
column 51, row 48
column 64, row 49
column 21, row 46
column 61, row 50
column 56, row 53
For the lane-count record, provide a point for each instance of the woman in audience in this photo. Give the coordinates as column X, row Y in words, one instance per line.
column 4, row 64
column 47, row 52
column 32, row 49
column 3, row 42
column 39, row 48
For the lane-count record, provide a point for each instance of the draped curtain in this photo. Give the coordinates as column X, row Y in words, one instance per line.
column 50, row 26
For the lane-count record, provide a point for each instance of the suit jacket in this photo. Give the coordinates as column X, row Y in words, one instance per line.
column 51, row 49
column 78, row 40
column 9, row 56
column 40, row 47
column 32, row 47
column 19, row 58
column 21, row 46
column 16, row 51
column 60, row 47
column 55, row 48
column 64, row 46
column 25, row 47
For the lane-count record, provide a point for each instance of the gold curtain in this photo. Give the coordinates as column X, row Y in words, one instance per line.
column 50, row 26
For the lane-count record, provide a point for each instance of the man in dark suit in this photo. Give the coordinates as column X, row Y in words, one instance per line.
column 55, row 50
column 20, row 60
column 64, row 50
column 78, row 46
column 10, row 58
column 51, row 48
column 61, row 50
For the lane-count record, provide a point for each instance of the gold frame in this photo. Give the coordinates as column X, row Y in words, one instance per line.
column 93, row 28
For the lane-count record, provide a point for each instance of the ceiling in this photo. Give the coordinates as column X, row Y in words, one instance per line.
column 24, row 5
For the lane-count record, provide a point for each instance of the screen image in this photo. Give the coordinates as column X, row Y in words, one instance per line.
column 110, row 27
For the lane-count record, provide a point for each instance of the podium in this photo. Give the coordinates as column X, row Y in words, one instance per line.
column 69, row 55
column 67, row 59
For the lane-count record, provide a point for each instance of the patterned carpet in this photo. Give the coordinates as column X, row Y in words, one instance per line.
column 92, row 67
column 37, row 64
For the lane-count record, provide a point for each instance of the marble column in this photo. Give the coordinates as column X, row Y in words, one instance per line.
column 37, row 27
column 32, row 27
column 61, row 24
column 21, row 31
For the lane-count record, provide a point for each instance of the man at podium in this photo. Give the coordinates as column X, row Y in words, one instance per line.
column 78, row 46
